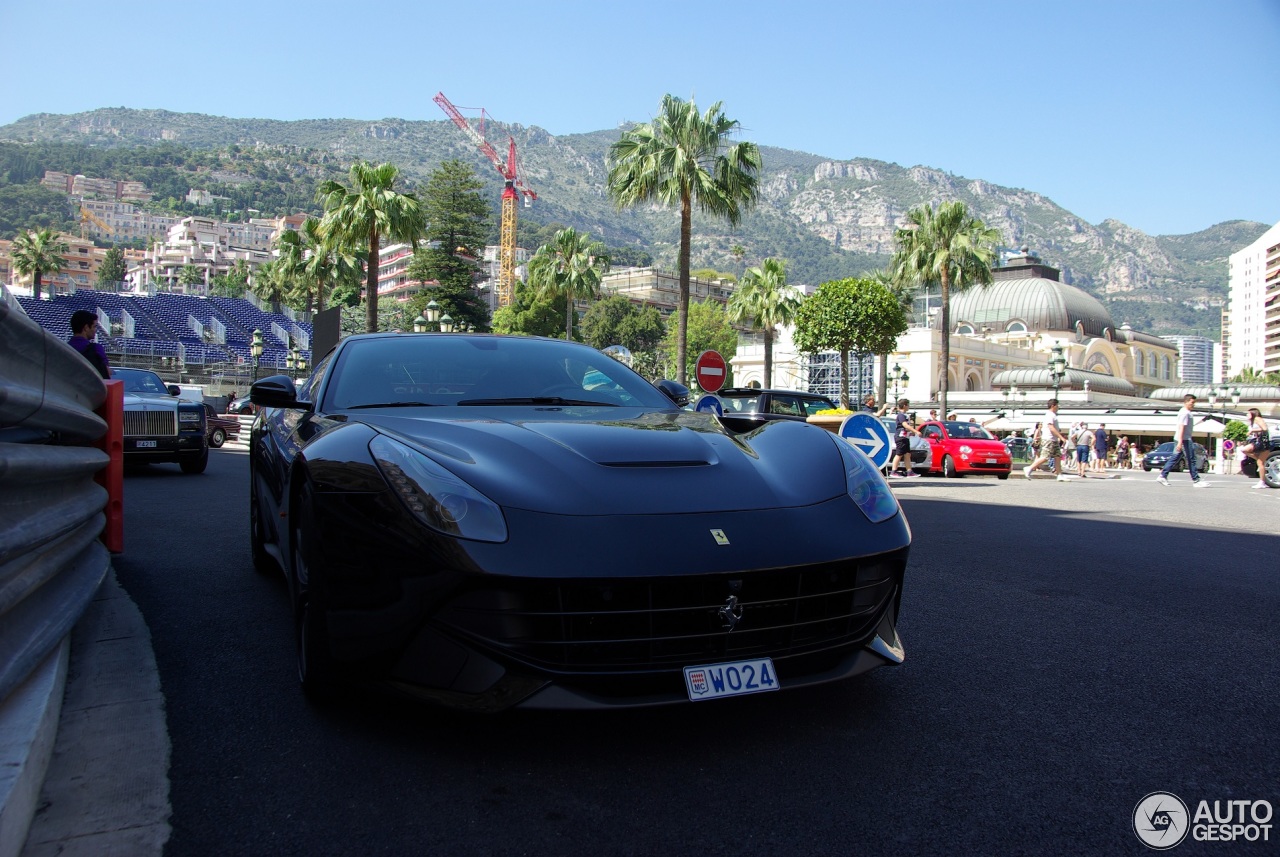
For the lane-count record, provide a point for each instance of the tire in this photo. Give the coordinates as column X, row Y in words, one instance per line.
column 1003, row 476
column 1146, row 468
column 262, row 561
column 949, row 468
column 195, row 465
column 316, row 672
column 1271, row 473
column 217, row 438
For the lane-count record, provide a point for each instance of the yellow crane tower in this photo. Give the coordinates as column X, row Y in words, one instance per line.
column 87, row 216
column 510, row 192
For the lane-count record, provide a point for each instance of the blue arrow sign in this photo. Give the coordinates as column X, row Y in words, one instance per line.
column 867, row 433
column 710, row 404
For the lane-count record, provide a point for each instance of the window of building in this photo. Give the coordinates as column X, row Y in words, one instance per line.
column 1139, row 365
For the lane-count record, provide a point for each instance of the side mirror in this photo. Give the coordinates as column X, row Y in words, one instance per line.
column 277, row 391
column 677, row 393
column 174, row 390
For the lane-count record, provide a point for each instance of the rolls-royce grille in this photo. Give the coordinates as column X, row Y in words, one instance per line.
column 150, row 423
column 662, row 623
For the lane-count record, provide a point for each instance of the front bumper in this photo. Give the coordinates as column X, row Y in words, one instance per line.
column 605, row 612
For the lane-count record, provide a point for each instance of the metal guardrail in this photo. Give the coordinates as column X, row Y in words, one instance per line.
column 51, row 515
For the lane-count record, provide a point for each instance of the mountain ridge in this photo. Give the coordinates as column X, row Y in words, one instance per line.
column 828, row 217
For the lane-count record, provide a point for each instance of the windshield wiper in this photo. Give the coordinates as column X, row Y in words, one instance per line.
column 538, row 400
column 394, row 405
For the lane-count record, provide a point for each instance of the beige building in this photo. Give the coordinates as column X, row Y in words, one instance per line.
column 661, row 289
column 1251, row 330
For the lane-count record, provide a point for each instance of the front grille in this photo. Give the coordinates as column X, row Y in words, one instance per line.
column 605, row 625
column 150, row 423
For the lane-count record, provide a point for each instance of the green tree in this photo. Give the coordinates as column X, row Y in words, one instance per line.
column 528, row 314
column 191, row 275
column 683, row 158
column 273, row 282
column 112, row 270
column 952, row 248
column 36, row 253
column 709, row 330
column 367, row 213
column 849, row 316
column 234, row 283
column 458, row 219
column 571, row 268
column 763, row 302
column 615, row 320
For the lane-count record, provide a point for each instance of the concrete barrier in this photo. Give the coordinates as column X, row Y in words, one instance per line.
column 51, row 559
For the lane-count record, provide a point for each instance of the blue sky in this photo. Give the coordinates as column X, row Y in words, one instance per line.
column 1163, row 115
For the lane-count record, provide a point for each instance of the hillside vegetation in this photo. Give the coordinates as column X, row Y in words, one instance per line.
column 827, row 218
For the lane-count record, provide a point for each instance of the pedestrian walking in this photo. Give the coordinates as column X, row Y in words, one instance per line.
column 1051, row 442
column 1184, row 447
column 1122, row 452
column 1258, row 445
column 84, row 328
column 1100, row 448
column 1082, row 438
column 903, row 429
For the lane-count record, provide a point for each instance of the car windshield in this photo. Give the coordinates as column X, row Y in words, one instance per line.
column 967, row 431
column 417, row 370
column 1167, row 446
column 140, row 381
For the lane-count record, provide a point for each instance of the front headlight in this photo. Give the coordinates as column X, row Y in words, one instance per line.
column 865, row 484
column 188, row 416
column 966, row 449
column 435, row 496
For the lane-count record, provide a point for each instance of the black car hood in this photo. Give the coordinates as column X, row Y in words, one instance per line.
column 589, row 461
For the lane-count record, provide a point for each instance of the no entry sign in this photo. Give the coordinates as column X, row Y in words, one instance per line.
column 709, row 371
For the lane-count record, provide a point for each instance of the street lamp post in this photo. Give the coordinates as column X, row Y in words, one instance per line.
column 1057, row 368
column 896, row 374
column 433, row 314
column 256, row 349
column 446, row 323
column 420, row 324
column 290, row 360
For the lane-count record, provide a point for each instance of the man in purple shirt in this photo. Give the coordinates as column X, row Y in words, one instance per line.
column 84, row 325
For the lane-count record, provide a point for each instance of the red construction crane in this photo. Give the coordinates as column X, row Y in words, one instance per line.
column 513, row 189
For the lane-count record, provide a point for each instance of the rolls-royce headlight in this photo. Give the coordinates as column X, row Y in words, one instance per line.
column 435, row 496
column 188, row 416
column 865, row 485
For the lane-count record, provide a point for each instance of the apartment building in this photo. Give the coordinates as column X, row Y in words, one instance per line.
column 1195, row 359
column 1251, row 333
column 661, row 289
column 80, row 272
column 125, row 222
column 200, row 242
column 95, row 188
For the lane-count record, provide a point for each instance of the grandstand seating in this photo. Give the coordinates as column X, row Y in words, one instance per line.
column 162, row 334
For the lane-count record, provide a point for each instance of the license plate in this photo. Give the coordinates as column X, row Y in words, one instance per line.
column 991, row 461
column 732, row 679
column 146, row 444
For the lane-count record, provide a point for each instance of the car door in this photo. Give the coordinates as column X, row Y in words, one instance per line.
column 934, row 437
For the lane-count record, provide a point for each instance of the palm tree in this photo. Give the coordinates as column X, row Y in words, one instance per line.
column 572, row 265
column 763, row 301
column 368, row 213
column 679, row 159
column 949, row 247
column 36, row 253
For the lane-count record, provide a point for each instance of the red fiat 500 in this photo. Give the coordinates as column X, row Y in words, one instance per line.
column 959, row 448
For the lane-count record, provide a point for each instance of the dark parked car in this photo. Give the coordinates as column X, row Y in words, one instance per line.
column 1156, row 458
column 484, row 522
column 221, row 428
column 746, row 407
column 160, row 427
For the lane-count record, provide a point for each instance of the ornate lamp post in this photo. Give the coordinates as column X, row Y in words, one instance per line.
column 1057, row 368
column 419, row 324
column 301, row 363
column 256, row 349
column 291, row 360
column 898, row 375
column 433, row 314
column 446, row 323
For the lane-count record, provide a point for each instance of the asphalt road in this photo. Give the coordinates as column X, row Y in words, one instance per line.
column 1071, row 647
